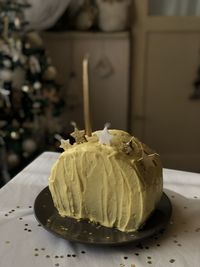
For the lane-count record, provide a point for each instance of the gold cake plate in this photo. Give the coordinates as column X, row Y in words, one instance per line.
column 83, row 231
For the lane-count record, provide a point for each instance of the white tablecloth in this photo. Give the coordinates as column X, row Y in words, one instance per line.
column 23, row 243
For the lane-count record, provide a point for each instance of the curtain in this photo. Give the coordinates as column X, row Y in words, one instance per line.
column 44, row 13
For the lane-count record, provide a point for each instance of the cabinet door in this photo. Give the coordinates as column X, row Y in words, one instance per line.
column 109, row 75
column 172, row 124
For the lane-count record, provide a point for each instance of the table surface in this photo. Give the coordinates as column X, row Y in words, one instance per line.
column 23, row 242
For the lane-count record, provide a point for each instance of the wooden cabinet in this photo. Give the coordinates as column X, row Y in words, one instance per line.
column 109, row 74
column 166, row 60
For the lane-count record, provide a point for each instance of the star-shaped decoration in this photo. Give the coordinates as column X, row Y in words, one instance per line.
column 104, row 136
column 128, row 147
column 148, row 161
column 78, row 135
column 65, row 144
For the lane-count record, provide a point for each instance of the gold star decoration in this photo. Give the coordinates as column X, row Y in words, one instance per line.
column 133, row 145
column 128, row 147
column 78, row 135
column 65, row 144
column 148, row 161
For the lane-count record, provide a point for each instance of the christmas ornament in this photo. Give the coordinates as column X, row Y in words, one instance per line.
column 34, row 65
column 5, row 95
column 50, row 73
column 34, row 39
column 15, row 135
column 13, row 160
column 6, row 75
column 29, row 146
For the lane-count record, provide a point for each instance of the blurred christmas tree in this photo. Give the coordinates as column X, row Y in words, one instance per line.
column 30, row 101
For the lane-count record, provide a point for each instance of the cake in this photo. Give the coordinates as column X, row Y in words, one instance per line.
column 110, row 178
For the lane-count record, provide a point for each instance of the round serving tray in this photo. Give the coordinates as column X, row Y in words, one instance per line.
column 83, row 231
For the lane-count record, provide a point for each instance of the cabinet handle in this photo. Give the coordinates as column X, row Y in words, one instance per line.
column 196, row 91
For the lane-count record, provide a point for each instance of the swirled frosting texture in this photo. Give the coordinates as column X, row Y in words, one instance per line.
column 104, row 184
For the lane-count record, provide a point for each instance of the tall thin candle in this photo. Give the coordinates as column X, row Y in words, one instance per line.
column 86, row 96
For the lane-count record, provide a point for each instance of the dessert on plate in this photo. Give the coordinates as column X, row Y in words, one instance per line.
column 110, row 178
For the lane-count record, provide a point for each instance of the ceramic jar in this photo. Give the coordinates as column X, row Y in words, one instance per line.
column 113, row 15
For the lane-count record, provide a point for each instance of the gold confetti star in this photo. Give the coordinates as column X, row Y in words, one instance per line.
column 128, row 147
column 78, row 135
column 148, row 161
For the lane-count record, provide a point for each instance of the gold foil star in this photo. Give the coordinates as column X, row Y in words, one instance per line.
column 128, row 147
column 148, row 161
column 65, row 144
column 78, row 135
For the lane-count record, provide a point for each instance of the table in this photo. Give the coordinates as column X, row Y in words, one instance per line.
column 23, row 242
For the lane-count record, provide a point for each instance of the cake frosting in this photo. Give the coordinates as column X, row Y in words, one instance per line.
column 117, row 183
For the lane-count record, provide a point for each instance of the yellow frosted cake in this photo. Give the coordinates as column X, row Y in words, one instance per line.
column 110, row 178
